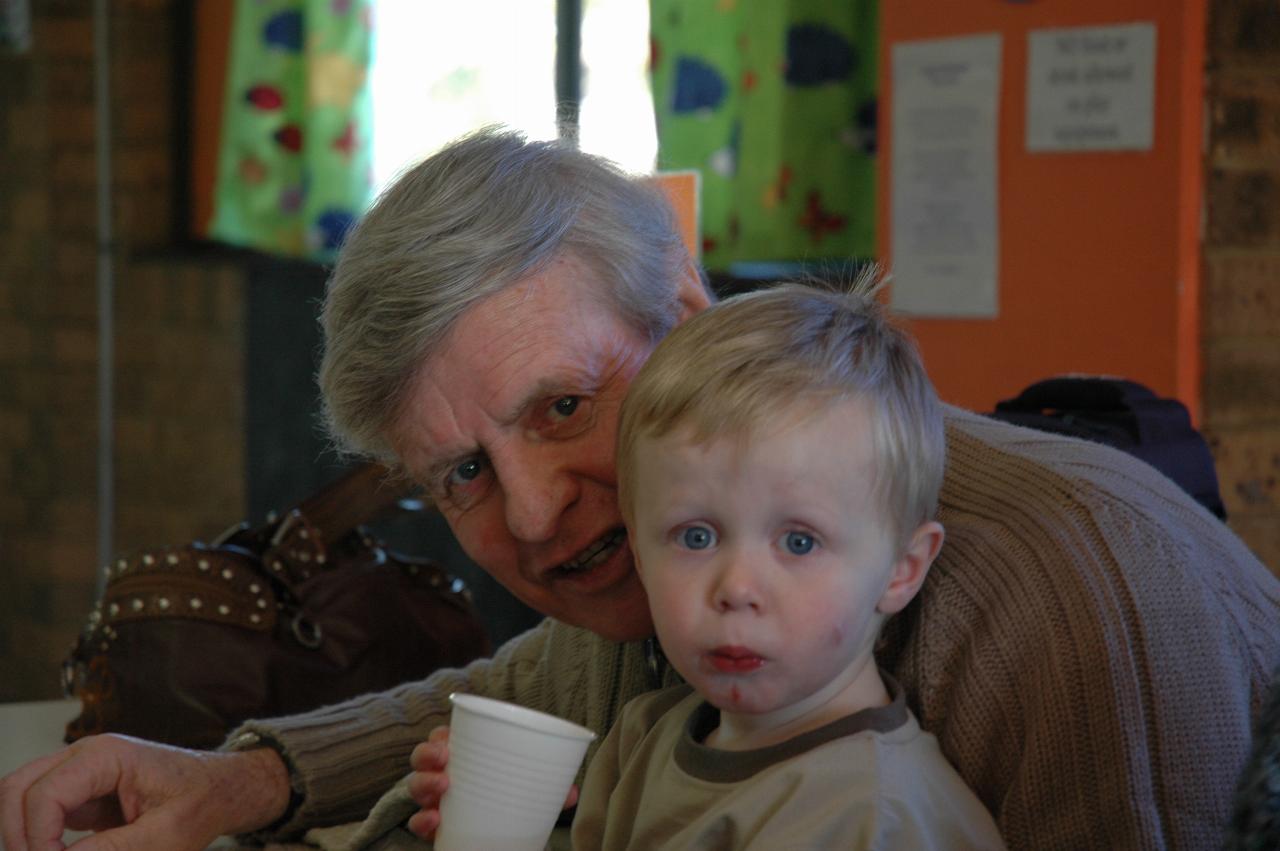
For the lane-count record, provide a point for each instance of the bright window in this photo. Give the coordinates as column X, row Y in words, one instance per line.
column 617, row 106
column 442, row 69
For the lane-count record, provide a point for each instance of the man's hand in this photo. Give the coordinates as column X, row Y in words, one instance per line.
column 429, row 781
column 140, row 795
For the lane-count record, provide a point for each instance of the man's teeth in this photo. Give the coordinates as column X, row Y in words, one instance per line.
column 596, row 553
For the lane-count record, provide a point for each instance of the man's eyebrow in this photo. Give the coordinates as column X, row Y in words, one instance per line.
column 565, row 384
column 559, row 385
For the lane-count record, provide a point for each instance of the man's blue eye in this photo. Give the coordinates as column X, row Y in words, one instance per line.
column 798, row 543
column 566, row 405
column 697, row 537
column 468, row 470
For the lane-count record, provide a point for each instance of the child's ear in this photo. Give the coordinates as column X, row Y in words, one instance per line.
column 911, row 567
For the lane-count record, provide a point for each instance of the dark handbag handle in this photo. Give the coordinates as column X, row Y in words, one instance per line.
column 295, row 545
column 356, row 497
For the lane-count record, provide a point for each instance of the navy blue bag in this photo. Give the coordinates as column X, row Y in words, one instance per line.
column 1128, row 416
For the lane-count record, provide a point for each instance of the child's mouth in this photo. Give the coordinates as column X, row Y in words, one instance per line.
column 734, row 660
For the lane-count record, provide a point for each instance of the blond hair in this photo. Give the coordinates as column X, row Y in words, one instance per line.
column 760, row 358
column 484, row 213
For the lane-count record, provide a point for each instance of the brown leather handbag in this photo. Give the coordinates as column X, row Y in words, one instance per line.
column 304, row 611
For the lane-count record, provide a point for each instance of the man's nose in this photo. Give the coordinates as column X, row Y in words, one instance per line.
column 537, row 490
column 737, row 586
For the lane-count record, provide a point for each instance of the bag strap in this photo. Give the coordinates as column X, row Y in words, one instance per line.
column 358, row 496
column 295, row 546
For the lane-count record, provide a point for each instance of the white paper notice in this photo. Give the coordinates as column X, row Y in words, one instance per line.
column 946, row 96
column 1091, row 88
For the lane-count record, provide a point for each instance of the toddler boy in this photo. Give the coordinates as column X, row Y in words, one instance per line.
column 779, row 460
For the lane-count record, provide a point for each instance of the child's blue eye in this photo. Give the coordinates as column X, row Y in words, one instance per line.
column 697, row 537
column 798, row 543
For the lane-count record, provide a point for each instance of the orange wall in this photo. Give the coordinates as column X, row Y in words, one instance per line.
column 211, row 42
column 1098, row 252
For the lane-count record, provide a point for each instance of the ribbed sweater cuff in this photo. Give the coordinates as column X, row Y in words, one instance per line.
column 343, row 757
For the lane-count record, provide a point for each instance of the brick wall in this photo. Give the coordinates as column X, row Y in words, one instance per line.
column 1241, row 301
column 179, row 378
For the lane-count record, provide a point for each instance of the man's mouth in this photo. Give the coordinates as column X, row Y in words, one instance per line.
column 595, row 554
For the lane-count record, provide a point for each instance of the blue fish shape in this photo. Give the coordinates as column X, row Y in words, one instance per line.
column 333, row 225
column 817, row 55
column 284, row 31
column 698, row 86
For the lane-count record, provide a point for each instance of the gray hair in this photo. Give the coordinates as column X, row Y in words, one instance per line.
column 482, row 214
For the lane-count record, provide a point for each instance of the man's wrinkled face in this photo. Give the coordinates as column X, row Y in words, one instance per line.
column 511, row 428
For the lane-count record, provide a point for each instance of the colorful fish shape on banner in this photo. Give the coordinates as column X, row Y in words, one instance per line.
column 817, row 55
column 284, row 31
column 265, row 97
column 698, row 86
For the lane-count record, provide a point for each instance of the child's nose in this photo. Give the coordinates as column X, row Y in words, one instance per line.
column 736, row 587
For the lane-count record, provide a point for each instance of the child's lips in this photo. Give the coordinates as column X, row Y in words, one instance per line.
column 734, row 659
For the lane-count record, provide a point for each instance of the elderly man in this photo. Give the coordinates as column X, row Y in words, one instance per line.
column 1088, row 649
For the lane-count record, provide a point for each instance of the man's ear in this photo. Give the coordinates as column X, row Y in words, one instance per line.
column 912, row 567
column 692, row 293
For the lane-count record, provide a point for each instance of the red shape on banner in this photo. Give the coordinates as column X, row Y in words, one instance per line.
column 289, row 137
column 265, row 97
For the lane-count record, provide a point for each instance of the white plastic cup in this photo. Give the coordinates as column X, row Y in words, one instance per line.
column 510, row 769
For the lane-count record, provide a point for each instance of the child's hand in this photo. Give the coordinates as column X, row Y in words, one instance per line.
column 429, row 780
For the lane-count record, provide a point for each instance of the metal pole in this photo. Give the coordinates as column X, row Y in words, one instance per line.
column 106, row 290
column 568, row 66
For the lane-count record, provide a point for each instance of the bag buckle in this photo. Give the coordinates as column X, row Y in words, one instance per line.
column 69, row 678
column 308, row 634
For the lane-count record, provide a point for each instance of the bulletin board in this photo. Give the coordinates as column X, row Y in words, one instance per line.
column 1099, row 263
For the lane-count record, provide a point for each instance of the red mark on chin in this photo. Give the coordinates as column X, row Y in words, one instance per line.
column 735, row 696
column 734, row 660
column 837, row 636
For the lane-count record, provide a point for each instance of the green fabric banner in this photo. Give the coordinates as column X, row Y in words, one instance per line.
column 774, row 102
column 294, row 163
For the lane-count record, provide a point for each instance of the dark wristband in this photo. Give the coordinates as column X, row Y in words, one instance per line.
column 250, row 741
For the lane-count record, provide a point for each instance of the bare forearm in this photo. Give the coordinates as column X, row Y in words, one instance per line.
column 140, row 794
column 256, row 783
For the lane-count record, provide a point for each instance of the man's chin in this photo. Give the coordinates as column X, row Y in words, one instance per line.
column 622, row 630
column 622, row 615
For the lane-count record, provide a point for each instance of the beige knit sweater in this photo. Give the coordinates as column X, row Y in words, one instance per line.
column 1089, row 650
